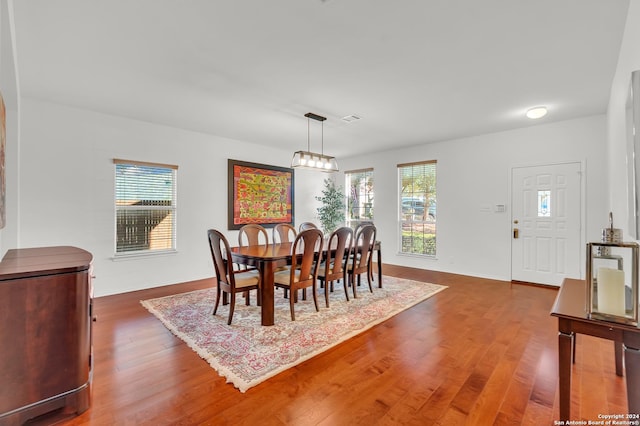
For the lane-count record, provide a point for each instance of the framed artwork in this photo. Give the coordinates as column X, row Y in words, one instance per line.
column 259, row 193
column 3, row 190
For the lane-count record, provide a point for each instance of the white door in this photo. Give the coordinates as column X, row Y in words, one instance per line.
column 546, row 223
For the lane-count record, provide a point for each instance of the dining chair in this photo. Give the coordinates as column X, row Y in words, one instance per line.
column 360, row 262
column 284, row 233
column 360, row 225
column 229, row 280
column 307, row 225
column 303, row 273
column 334, row 266
column 355, row 232
column 253, row 234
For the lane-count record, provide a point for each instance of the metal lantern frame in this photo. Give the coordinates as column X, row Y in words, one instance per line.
column 607, row 252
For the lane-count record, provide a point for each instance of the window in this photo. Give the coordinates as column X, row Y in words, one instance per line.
column 417, row 208
column 544, row 203
column 359, row 196
column 145, row 207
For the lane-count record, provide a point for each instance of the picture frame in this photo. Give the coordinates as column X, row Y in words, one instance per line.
column 259, row 194
column 3, row 185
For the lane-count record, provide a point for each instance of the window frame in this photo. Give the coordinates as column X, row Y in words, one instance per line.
column 172, row 207
column 423, row 229
column 369, row 196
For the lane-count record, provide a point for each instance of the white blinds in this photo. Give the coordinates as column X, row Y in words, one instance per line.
column 145, row 204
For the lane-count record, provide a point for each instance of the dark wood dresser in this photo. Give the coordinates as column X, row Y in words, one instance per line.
column 45, row 333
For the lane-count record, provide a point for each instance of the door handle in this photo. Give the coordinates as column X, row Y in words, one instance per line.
column 516, row 232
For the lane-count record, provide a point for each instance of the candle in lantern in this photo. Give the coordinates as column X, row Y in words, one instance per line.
column 611, row 295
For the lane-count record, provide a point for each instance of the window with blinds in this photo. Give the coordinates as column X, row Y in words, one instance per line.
column 359, row 184
column 145, row 201
column 417, row 207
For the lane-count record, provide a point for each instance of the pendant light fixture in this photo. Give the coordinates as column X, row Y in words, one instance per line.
column 313, row 160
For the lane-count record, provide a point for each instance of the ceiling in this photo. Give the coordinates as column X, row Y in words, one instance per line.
column 415, row 71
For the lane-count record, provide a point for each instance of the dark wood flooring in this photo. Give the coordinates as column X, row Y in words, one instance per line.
column 481, row 352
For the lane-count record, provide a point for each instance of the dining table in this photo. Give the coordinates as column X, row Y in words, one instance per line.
column 267, row 258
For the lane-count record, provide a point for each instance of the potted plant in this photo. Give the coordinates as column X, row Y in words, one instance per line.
column 331, row 212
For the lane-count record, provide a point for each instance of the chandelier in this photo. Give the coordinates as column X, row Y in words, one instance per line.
column 313, row 160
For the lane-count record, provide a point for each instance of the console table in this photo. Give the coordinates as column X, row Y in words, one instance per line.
column 570, row 308
column 45, row 333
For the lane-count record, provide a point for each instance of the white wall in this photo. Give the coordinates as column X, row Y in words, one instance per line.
column 475, row 171
column 628, row 61
column 67, row 189
column 60, row 182
column 66, row 195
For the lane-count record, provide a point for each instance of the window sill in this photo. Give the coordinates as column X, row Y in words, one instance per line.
column 419, row 256
column 143, row 255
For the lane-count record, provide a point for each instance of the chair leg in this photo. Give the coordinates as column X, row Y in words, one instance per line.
column 326, row 292
column 215, row 307
column 247, row 297
column 291, row 302
column 231, row 307
column 346, row 293
column 315, row 297
column 352, row 280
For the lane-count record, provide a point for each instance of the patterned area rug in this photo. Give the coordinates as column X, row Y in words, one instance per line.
column 247, row 353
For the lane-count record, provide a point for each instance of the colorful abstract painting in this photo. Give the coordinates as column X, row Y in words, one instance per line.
column 3, row 137
column 259, row 193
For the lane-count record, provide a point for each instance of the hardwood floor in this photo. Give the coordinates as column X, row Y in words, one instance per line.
column 481, row 352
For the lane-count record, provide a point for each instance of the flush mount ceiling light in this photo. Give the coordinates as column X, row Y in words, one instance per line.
column 313, row 160
column 537, row 112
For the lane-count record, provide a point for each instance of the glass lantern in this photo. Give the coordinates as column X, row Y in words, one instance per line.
column 612, row 282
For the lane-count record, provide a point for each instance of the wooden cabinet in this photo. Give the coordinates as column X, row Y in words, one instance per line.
column 45, row 333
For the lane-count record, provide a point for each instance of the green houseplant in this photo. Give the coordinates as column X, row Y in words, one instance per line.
column 331, row 212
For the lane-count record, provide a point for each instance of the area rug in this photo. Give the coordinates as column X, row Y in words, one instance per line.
column 246, row 353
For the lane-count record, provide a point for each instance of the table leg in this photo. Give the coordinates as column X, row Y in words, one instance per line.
column 565, row 343
column 617, row 349
column 379, row 266
column 266, row 277
column 632, row 367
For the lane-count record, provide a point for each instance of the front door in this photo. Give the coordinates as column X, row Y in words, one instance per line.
column 546, row 226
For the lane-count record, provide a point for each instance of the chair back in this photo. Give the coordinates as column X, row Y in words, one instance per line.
column 307, row 225
column 309, row 244
column 336, row 260
column 360, row 225
column 364, row 243
column 253, row 234
column 219, row 247
column 284, row 233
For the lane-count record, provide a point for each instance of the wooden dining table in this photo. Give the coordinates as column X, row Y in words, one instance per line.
column 269, row 257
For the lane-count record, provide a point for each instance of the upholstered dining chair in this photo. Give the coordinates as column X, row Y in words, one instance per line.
column 307, row 225
column 334, row 266
column 284, row 233
column 229, row 280
column 303, row 272
column 360, row 262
